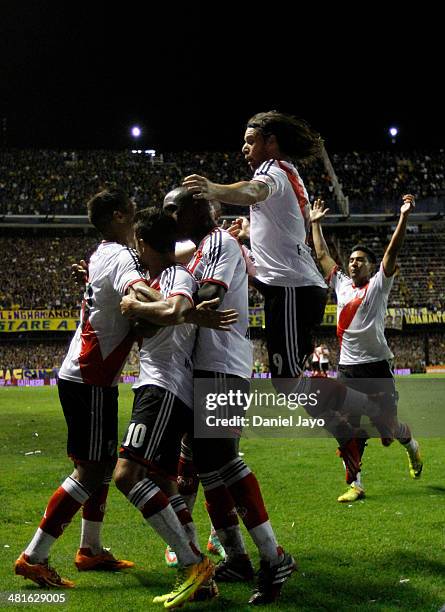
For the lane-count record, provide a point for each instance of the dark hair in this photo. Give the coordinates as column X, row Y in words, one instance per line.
column 294, row 136
column 102, row 206
column 156, row 228
column 369, row 252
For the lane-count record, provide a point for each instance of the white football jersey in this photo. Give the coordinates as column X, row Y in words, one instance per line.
column 103, row 339
column 219, row 259
column 278, row 229
column 361, row 317
column 166, row 358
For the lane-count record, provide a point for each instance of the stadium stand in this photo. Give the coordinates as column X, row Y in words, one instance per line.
column 60, row 182
column 374, row 180
column 36, row 266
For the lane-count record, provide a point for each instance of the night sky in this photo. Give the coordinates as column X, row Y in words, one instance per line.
column 80, row 74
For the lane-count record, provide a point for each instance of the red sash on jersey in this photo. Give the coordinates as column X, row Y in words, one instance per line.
column 296, row 186
column 348, row 313
column 95, row 370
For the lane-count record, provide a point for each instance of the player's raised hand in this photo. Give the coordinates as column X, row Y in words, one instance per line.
column 318, row 211
column 240, row 229
column 408, row 204
column 79, row 272
column 199, row 186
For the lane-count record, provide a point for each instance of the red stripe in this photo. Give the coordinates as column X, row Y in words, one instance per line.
column 154, row 283
column 198, row 257
column 297, row 187
column 94, row 369
column 348, row 313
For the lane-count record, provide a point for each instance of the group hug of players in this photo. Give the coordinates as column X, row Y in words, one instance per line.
column 192, row 318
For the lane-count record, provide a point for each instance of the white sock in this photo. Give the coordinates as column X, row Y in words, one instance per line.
column 232, row 540
column 165, row 522
column 192, row 535
column 266, row 542
column 167, row 525
column 178, row 504
column 38, row 549
column 90, row 536
column 358, row 481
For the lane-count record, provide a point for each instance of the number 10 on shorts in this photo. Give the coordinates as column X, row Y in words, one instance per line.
column 135, row 435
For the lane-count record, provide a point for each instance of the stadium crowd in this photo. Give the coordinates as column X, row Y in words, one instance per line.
column 33, row 355
column 376, row 179
column 409, row 352
column 420, row 281
column 60, row 182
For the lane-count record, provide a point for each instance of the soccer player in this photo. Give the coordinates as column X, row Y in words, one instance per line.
column 294, row 291
column 362, row 298
column 320, row 361
column 88, row 394
column 162, row 410
column 226, row 359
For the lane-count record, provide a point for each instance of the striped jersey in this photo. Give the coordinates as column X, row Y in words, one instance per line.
column 278, row 229
column 103, row 339
column 166, row 358
column 219, row 259
column 361, row 317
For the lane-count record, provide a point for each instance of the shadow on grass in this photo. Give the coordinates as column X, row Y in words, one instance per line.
column 436, row 488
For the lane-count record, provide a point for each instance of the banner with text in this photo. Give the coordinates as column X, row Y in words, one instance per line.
column 39, row 320
column 19, row 321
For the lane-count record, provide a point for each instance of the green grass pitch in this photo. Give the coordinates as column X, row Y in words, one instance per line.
column 384, row 553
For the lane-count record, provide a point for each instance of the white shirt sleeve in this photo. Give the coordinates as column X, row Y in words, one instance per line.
column 221, row 255
column 184, row 283
column 126, row 271
column 382, row 282
column 275, row 178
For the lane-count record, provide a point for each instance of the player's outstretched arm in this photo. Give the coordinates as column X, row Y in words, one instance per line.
column 244, row 193
column 317, row 214
column 176, row 310
column 393, row 249
column 162, row 312
column 204, row 316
